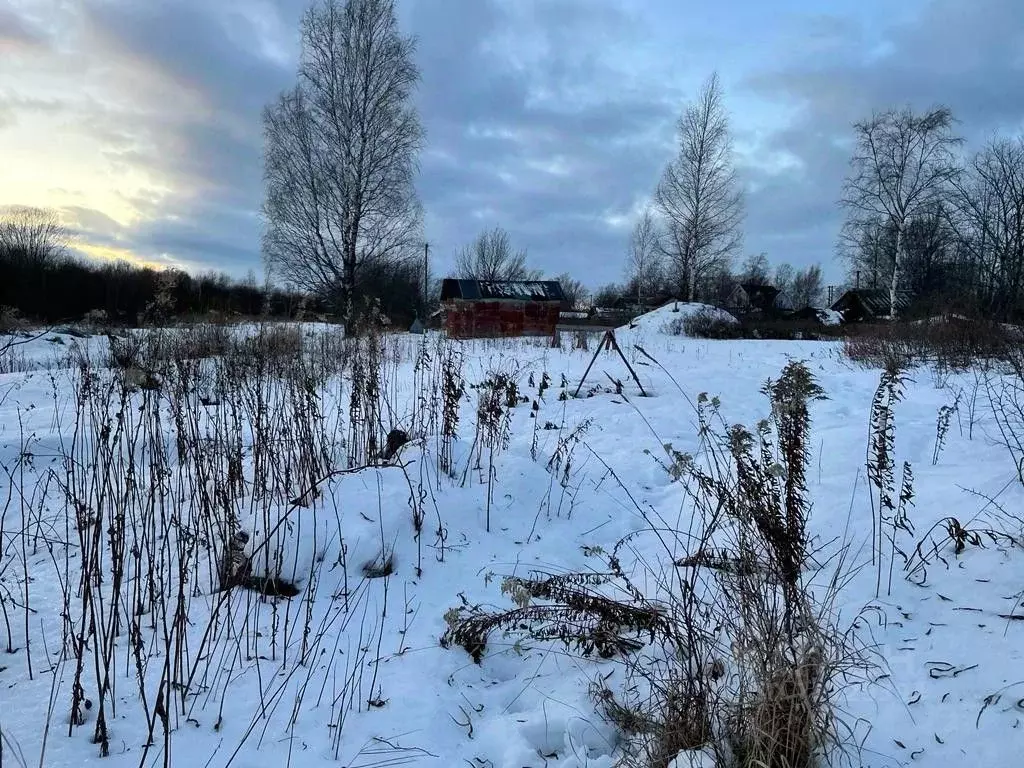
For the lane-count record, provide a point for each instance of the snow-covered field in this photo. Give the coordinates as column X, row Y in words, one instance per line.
column 114, row 502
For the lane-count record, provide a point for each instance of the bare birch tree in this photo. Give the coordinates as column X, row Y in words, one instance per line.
column 577, row 297
column 490, row 257
column 644, row 266
column 341, row 151
column 806, row 287
column 699, row 196
column 902, row 167
column 867, row 246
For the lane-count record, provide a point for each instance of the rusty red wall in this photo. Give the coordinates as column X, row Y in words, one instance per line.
column 488, row 319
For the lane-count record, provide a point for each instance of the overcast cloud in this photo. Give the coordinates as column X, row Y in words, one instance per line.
column 552, row 118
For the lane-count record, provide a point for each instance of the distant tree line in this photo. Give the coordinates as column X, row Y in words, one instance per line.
column 653, row 282
column 40, row 280
column 922, row 216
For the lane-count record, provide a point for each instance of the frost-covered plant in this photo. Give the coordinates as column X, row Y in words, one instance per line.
column 452, row 390
column 563, row 607
column 790, row 396
column 545, row 383
column 706, row 323
column 496, row 397
column 677, row 464
column 560, row 461
column 881, row 469
column 942, row 428
column 745, row 662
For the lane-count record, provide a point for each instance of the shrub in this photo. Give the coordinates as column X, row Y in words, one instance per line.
column 10, row 320
column 205, row 340
column 786, row 329
column 951, row 342
column 95, row 320
column 275, row 344
column 706, row 323
column 125, row 353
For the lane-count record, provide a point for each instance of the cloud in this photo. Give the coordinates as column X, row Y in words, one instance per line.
column 552, row 118
column 537, row 122
column 956, row 52
column 18, row 33
column 190, row 80
column 220, row 51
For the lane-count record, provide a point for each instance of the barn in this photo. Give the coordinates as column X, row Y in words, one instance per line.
column 867, row 304
column 490, row 308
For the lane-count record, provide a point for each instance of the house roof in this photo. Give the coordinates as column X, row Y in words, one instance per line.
column 502, row 290
column 759, row 295
column 874, row 300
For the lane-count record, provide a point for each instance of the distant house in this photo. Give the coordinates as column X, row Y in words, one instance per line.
column 863, row 304
column 753, row 298
column 490, row 308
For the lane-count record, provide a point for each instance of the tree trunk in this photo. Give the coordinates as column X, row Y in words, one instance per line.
column 894, row 285
column 349, row 284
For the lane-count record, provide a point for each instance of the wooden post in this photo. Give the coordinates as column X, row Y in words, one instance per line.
column 609, row 343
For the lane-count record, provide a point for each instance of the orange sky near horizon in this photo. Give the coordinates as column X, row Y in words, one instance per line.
column 79, row 129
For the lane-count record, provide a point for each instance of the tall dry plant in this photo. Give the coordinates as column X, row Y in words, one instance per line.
column 729, row 652
column 889, row 503
column 497, row 395
column 149, row 514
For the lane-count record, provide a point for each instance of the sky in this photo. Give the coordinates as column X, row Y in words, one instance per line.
column 140, row 120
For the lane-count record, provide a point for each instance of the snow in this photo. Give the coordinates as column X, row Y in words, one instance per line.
column 830, row 316
column 694, row 758
column 269, row 692
column 668, row 319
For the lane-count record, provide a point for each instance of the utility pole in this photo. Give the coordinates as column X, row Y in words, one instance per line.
column 426, row 280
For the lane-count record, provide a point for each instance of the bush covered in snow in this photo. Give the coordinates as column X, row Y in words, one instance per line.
column 706, row 323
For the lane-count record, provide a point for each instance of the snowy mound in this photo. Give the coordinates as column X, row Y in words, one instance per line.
column 669, row 318
column 829, row 316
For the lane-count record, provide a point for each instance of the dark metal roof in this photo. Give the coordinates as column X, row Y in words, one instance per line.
column 874, row 301
column 507, row 290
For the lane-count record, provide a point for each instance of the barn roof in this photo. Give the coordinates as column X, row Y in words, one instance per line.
column 507, row 290
column 875, row 301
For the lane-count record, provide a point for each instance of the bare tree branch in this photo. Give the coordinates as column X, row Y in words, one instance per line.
column 904, row 165
column 340, row 151
column 990, row 223
column 575, row 292
column 490, row 257
column 34, row 234
column 805, row 289
column 699, row 196
column 644, row 266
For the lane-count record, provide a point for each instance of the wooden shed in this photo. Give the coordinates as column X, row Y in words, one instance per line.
column 488, row 308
